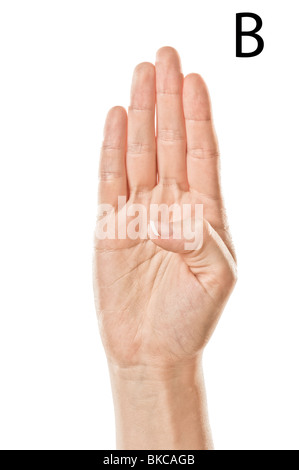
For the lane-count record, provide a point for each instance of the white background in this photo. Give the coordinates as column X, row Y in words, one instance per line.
column 63, row 65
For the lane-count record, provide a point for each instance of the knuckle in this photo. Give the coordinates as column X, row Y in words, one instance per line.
column 139, row 108
column 109, row 175
column 202, row 153
column 106, row 146
column 171, row 135
column 138, row 148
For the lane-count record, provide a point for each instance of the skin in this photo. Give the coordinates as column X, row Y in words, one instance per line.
column 157, row 303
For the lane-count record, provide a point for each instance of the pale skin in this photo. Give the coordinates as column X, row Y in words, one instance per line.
column 157, row 303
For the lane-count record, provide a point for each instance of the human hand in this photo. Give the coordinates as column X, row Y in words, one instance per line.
column 158, row 303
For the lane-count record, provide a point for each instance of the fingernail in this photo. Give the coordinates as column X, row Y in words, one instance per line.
column 161, row 230
column 154, row 229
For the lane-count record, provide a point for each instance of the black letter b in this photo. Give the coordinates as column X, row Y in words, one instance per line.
column 240, row 33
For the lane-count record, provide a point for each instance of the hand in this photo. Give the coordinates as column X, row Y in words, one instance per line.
column 158, row 303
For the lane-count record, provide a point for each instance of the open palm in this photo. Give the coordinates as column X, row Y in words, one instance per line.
column 157, row 303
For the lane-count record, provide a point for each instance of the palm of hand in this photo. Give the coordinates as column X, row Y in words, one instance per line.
column 157, row 304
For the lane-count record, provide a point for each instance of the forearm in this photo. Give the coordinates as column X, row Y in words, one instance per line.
column 158, row 408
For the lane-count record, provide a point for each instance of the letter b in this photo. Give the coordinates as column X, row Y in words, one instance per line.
column 240, row 33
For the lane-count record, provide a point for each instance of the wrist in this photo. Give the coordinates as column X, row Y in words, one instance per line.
column 155, row 373
column 165, row 404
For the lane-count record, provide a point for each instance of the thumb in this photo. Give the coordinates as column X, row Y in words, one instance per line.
column 179, row 236
column 206, row 255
